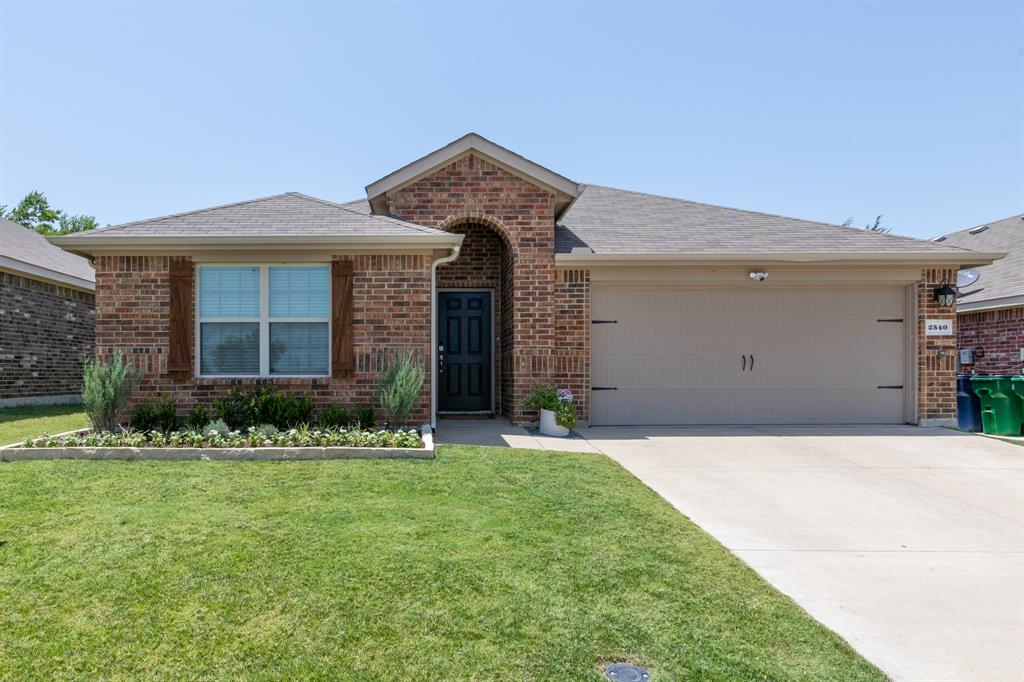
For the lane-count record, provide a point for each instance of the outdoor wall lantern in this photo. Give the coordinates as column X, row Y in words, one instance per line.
column 945, row 294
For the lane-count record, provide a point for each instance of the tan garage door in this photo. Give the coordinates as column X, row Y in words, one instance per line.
column 746, row 356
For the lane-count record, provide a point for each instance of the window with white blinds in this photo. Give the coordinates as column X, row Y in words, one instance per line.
column 264, row 320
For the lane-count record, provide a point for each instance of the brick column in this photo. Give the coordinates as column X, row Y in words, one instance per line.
column 936, row 355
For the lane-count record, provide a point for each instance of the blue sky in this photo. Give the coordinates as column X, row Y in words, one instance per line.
column 815, row 110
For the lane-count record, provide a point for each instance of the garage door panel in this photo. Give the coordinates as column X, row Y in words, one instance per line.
column 676, row 356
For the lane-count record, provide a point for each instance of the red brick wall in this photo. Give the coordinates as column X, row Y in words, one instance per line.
column 1000, row 333
column 46, row 335
column 572, row 337
column 936, row 361
column 392, row 312
column 473, row 190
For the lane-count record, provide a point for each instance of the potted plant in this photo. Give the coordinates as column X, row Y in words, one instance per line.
column 557, row 413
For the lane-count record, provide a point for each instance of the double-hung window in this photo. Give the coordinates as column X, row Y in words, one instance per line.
column 264, row 320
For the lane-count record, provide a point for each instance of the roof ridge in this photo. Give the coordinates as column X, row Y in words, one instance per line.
column 376, row 216
column 768, row 215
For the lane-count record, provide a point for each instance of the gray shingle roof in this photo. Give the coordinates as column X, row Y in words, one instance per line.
column 1004, row 278
column 615, row 221
column 282, row 215
column 20, row 245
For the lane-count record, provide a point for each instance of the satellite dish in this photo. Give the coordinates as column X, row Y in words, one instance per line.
column 966, row 278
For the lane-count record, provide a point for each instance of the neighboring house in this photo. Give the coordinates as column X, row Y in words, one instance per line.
column 46, row 319
column 990, row 309
column 644, row 306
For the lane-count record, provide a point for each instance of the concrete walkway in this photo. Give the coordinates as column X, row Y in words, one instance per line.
column 907, row 542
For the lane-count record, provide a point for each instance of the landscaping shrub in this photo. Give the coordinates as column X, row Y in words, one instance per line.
column 156, row 416
column 366, row 417
column 236, row 409
column 218, row 427
column 196, row 419
column 334, row 417
column 400, row 387
column 107, row 387
column 264, row 405
column 283, row 410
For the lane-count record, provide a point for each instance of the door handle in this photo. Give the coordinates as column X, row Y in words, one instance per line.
column 440, row 359
column 751, row 362
column 744, row 363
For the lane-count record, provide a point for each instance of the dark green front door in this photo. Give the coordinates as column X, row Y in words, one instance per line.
column 464, row 351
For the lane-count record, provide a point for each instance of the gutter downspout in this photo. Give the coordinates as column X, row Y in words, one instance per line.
column 433, row 331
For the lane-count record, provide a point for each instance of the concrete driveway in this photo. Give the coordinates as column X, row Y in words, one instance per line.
column 907, row 542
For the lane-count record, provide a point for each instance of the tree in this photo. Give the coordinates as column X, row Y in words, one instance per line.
column 35, row 213
column 871, row 227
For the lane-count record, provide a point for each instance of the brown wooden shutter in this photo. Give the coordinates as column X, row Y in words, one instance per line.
column 179, row 362
column 343, row 359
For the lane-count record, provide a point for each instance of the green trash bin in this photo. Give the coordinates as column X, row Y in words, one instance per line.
column 1002, row 413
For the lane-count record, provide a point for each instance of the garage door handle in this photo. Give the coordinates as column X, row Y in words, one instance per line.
column 751, row 362
column 744, row 363
column 604, row 388
column 895, row 387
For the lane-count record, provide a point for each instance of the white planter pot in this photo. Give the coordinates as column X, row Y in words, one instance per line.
column 548, row 426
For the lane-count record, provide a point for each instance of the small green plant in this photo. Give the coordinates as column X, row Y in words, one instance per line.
column 217, row 427
column 107, row 387
column 549, row 398
column 156, row 415
column 565, row 414
column 236, row 409
column 401, row 387
column 366, row 417
column 334, row 417
column 542, row 398
column 196, row 419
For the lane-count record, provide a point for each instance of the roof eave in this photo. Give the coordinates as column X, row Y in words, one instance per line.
column 990, row 304
column 967, row 259
column 91, row 246
column 38, row 272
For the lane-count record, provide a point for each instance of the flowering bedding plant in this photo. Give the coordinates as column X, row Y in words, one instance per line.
column 254, row 437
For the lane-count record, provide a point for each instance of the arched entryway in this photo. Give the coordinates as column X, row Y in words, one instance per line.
column 475, row 322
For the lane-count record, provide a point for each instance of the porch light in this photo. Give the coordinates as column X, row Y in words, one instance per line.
column 945, row 294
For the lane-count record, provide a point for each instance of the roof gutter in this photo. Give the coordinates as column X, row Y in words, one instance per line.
column 967, row 259
column 990, row 304
column 97, row 245
column 433, row 331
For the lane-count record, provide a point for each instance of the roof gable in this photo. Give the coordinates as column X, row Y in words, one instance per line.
column 565, row 189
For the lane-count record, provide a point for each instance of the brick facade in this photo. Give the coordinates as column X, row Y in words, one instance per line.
column 1000, row 333
column 572, row 332
column 46, row 335
column 471, row 190
column 936, row 355
column 391, row 312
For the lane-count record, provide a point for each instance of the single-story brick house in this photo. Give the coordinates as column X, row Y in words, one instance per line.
column 503, row 275
column 990, row 304
column 46, row 319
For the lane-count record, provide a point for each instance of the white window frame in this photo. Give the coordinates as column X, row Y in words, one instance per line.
column 264, row 321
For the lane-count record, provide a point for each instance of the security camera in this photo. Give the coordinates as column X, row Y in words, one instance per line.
column 759, row 276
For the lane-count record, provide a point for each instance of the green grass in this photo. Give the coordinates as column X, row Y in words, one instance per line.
column 484, row 564
column 19, row 423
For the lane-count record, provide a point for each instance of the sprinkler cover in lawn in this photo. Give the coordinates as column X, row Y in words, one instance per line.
column 626, row 672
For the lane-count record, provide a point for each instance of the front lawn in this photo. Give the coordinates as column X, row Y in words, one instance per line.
column 484, row 564
column 19, row 423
